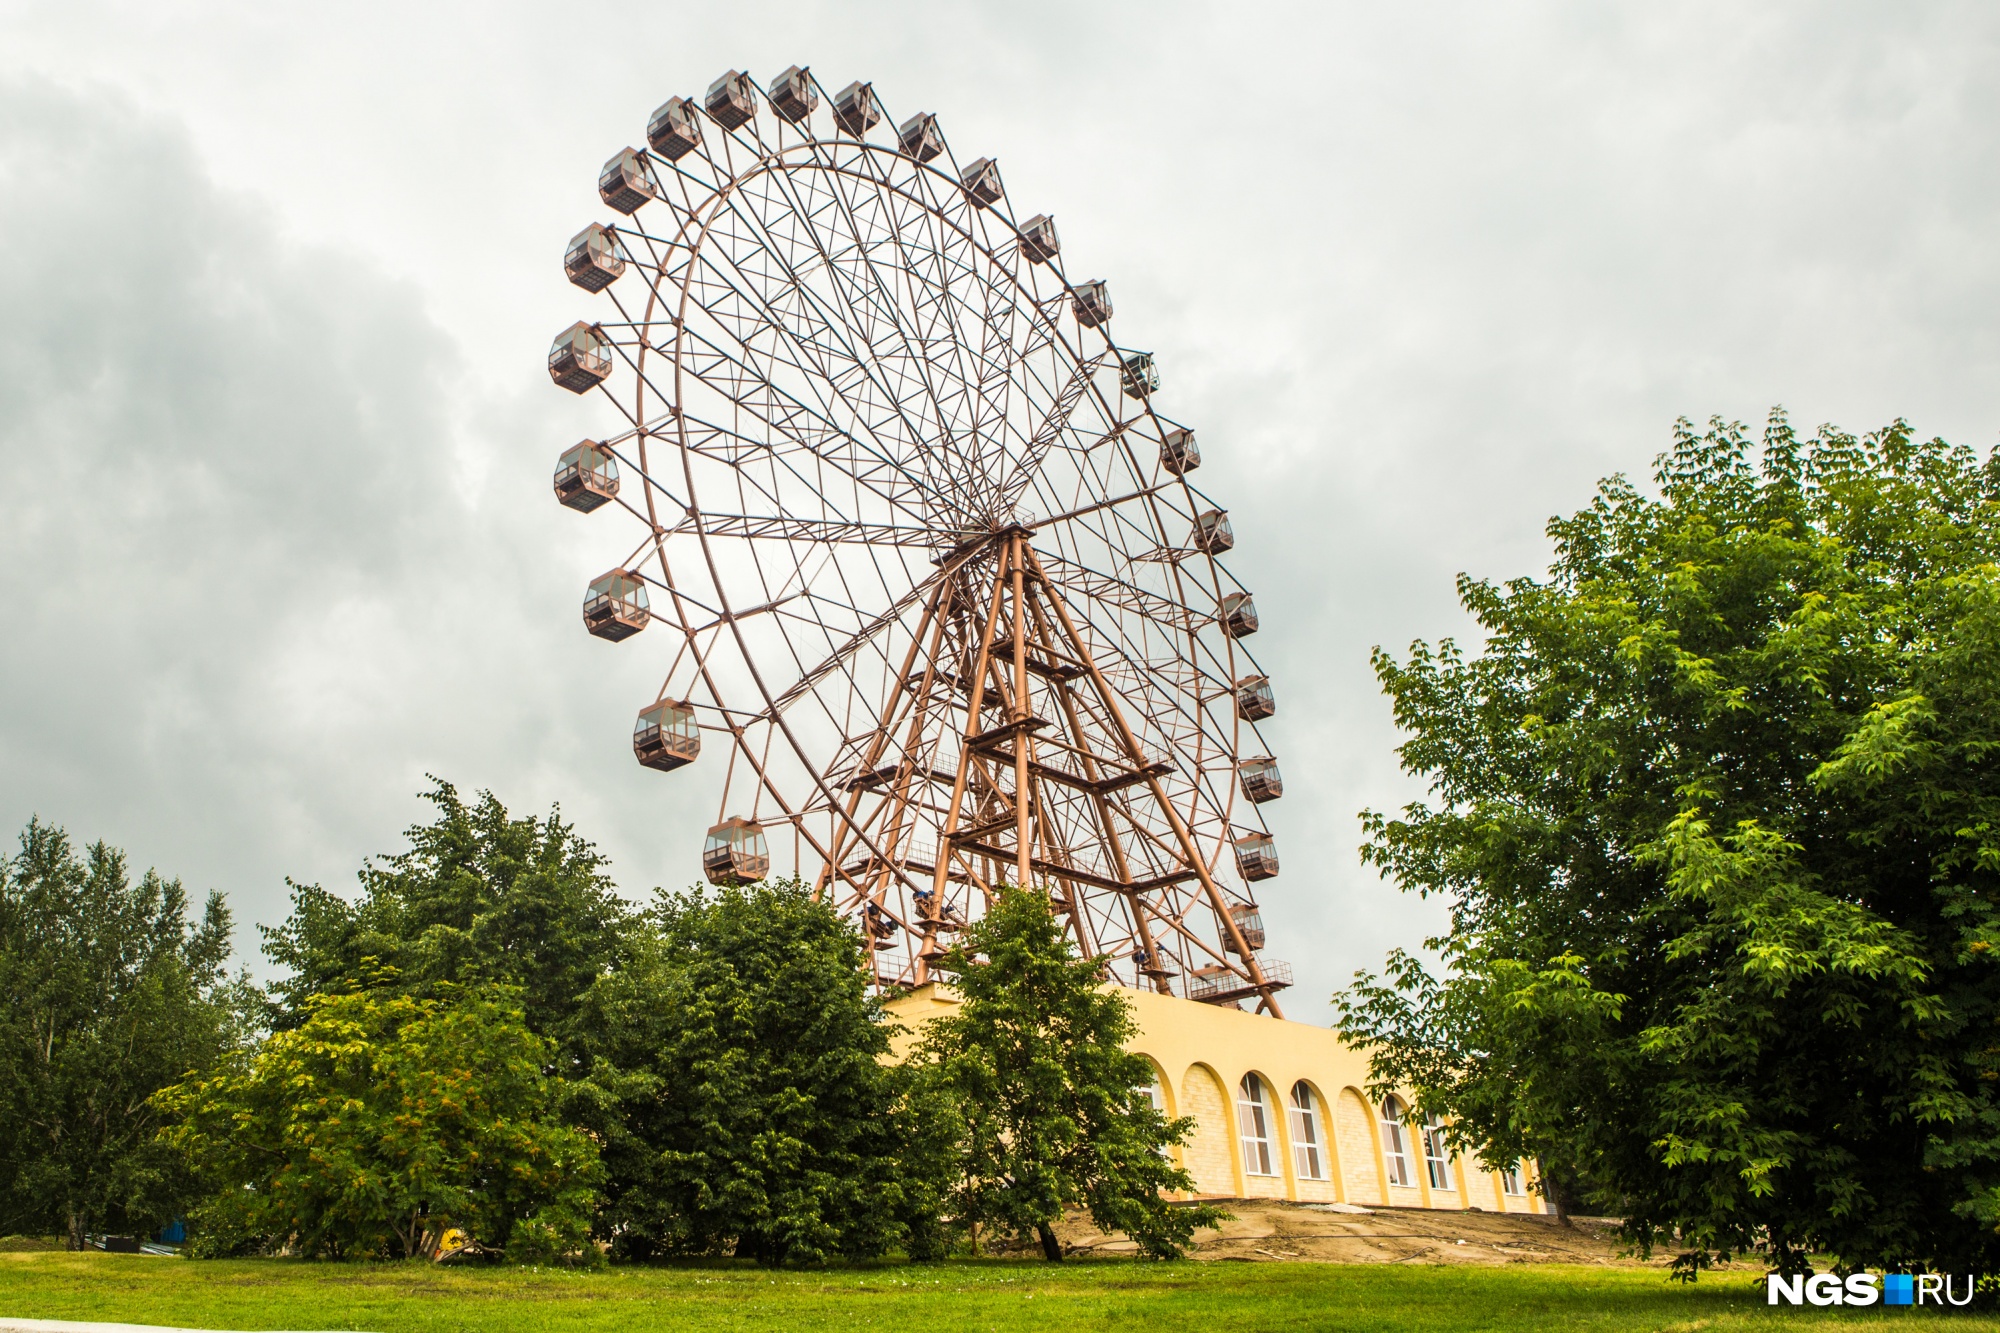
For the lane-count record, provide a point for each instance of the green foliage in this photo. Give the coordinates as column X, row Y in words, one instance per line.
column 479, row 897
column 379, row 1124
column 1718, row 815
column 742, row 1095
column 108, row 992
column 1054, row 1108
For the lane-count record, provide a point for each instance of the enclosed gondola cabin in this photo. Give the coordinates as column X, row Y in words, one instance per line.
column 1212, row 532
column 1039, row 241
column 855, row 110
column 675, row 129
column 1178, row 452
column 595, row 258
column 1091, row 302
column 731, row 99
column 666, row 737
column 627, row 183
column 982, row 182
column 1239, row 615
column 1261, row 780
column 580, row 358
column 792, row 94
column 1256, row 857
column 919, row 138
column 735, row 853
column 1249, row 921
column 616, row 607
column 1138, row 375
column 1254, row 700
column 586, row 476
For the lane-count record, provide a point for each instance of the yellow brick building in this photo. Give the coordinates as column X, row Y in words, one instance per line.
column 1281, row 1112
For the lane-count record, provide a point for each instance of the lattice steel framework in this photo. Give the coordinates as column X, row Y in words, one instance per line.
column 941, row 583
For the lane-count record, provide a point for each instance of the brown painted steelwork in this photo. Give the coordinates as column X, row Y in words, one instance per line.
column 946, row 597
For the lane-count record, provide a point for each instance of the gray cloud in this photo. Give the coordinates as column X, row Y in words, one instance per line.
column 274, row 291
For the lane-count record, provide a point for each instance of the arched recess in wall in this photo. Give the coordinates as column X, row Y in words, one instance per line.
column 1316, row 1159
column 1210, row 1154
column 1360, row 1153
column 1162, row 1091
column 1260, row 1137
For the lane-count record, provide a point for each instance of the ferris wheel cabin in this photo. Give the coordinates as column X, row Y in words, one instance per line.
column 1178, row 452
column 1138, row 375
column 1091, row 302
column 1039, row 241
column 855, row 110
column 1257, row 857
column 792, row 94
column 919, row 138
column 1249, row 919
column 735, row 853
column 982, row 182
column 586, row 477
column 627, row 183
column 1254, row 700
column 666, row 737
column 595, row 258
column 616, row 608
column 731, row 99
column 675, row 130
column 1261, row 779
column 580, row 360
column 1239, row 615
column 1212, row 532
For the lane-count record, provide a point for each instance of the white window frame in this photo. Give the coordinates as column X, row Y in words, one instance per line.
column 1308, row 1161
column 1511, row 1182
column 1437, row 1158
column 1395, row 1148
column 1254, row 1126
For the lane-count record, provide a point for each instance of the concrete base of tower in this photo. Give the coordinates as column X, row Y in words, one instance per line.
column 1281, row 1111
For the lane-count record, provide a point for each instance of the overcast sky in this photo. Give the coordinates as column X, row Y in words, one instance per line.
column 276, row 283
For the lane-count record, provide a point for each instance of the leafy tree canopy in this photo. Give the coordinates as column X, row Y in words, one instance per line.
column 109, row 991
column 1718, row 814
column 380, row 1125
column 1055, row 1109
column 479, row 897
column 745, row 1103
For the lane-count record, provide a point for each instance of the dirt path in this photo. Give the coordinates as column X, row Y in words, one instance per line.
column 1265, row 1231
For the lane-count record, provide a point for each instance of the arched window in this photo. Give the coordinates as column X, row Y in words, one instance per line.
column 1437, row 1161
column 1157, row 1095
column 1252, row 1109
column 1395, row 1147
column 1510, row 1180
column 1306, row 1159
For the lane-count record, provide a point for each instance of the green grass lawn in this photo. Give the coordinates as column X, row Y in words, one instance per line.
column 1159, row 1298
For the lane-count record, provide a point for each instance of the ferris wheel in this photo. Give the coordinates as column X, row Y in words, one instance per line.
column 939, row 593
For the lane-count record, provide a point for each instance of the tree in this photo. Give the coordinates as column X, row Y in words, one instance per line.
column 1718, row 814
column 1054, row 1108
column 478, row 898
column 744, row 1101
column 108, row 992
column 380, row 1124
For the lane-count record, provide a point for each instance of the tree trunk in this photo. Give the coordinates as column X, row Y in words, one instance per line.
column 75, row 1230
column 1051, row 1247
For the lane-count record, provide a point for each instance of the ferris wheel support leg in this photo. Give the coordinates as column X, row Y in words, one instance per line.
column 975, row 700
column 1267, row 1001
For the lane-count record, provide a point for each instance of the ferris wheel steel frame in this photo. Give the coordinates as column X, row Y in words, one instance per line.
column 859, row 359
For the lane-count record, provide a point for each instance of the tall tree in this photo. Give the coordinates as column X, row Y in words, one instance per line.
column 1055, row 1110
column 381, row 1125
column 479, row 897
column 109, row 991
column 1718, row 815
column 744, row 1102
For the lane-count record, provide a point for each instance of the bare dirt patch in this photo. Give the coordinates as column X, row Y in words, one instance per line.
column 1271, row 1231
